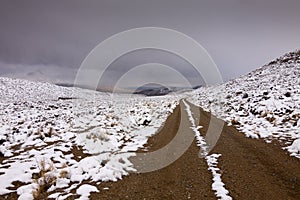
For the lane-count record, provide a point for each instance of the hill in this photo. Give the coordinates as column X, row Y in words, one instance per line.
column 264, row 103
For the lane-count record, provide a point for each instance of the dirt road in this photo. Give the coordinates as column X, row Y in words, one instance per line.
column 186, row 178
column 251, row 169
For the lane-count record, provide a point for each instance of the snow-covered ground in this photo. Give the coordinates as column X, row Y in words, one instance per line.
column 262, row 104
column 55, row 137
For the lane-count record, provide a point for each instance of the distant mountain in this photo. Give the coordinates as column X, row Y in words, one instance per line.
column 65, row 84
column 159, row 90
column 152, row 90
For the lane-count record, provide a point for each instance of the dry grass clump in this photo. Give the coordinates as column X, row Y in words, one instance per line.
column 101, row 135
column 235, row 122
column 45, row 179
column 42, row 135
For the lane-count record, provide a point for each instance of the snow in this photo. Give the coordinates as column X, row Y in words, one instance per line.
column 85, row 191
column 212, row 160
column 25, row 196
column 295, row 148
column 262, row 104
column 200, row 140
column 72, row 135
column 218, row 186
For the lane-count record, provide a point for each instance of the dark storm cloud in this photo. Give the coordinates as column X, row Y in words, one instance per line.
column 57, row 35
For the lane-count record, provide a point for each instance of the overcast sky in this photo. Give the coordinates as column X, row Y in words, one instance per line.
column 48, row 40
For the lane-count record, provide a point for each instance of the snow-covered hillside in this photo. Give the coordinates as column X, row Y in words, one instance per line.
column 54, row 137
column 262, row 104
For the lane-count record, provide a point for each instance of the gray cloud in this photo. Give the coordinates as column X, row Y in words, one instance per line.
column 44, row 73
column 56, row 35
column 135, row 58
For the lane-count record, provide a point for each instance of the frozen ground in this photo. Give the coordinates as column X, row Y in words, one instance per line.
column 55, row 138
column 262, row 104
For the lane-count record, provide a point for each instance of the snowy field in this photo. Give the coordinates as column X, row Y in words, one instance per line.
column 262, row 104
column 55, row 138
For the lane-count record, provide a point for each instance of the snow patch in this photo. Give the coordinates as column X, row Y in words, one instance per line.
column 85, row 190
column 218, row 186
